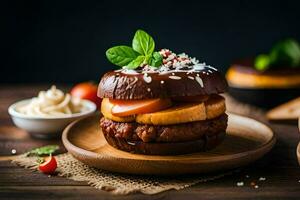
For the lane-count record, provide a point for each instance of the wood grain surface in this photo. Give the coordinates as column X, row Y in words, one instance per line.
column 279, row 167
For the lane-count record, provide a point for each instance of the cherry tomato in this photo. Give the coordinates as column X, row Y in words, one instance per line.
column 86, row 90
column 49, row 166
column 125, row 108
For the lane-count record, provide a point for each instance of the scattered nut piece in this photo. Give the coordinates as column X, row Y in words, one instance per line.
column 262, row 179
column 240, row 184
column 13, row 151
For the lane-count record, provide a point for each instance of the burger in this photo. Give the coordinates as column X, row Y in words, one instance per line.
column 267, row 80
column 264, row 89
column 166, row 104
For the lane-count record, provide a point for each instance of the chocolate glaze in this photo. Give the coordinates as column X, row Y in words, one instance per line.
column 120, row 85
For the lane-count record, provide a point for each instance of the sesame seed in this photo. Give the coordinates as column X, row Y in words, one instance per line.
column 199, row 80
column 212, row 68
column 198, row 67
column 256, row 186
column 190, row 77
column 175, row 77
column 162, row 82
column 148, row 89
column 247, row 176
column 262, row 179
column 147, row 78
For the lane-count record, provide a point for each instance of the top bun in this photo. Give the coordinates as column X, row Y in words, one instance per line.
column 143, row 84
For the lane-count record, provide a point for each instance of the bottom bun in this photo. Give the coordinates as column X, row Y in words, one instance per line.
column 176, row 148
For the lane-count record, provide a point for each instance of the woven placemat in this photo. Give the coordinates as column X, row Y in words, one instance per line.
column 122, row 184
column 115, row 183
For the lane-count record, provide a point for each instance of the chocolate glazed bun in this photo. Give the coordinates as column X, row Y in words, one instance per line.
column 135, row 85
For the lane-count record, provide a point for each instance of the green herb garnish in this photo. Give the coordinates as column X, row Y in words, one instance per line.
column 284, row 53
column 262, row 62
column 143, row 43
column 141, row 52
column 45, row 150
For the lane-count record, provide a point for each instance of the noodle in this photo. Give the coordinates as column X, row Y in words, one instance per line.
column 52, row 103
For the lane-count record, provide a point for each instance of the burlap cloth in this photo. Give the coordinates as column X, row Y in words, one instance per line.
column 122, row 184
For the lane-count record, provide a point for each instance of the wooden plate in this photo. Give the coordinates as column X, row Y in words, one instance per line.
column 247, row 141
column 298, row 147
column 298, row 152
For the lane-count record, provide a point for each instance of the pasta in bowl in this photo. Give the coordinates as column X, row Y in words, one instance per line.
column 50, row 112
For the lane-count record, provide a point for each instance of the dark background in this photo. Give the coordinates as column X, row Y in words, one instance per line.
column 65, row 41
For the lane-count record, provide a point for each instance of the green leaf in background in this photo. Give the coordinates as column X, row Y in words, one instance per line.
column 262, row 62
column 143, row 43
column 136, row 62
column 45, row 150
column 121, row 55
column 285, row 53
column 156, row 60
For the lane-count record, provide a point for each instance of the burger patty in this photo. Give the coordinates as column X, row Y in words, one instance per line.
column 133, row 131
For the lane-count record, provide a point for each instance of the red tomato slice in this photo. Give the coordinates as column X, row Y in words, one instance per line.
column 125, row 108
column 49, row 166
column 199, row 98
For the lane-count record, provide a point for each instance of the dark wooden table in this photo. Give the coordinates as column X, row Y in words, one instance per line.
column 279, row 167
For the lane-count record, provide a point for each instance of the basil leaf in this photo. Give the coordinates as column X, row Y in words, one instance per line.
column 143, row 43
column 121, row 55
column 136, row 62
column 156, row 60
column 45, row 150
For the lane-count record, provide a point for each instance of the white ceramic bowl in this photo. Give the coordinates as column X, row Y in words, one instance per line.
column 46, row 127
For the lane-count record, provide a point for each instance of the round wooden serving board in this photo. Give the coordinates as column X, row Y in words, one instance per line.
column 298, row 152
column 247, row 140
column 298, row 147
